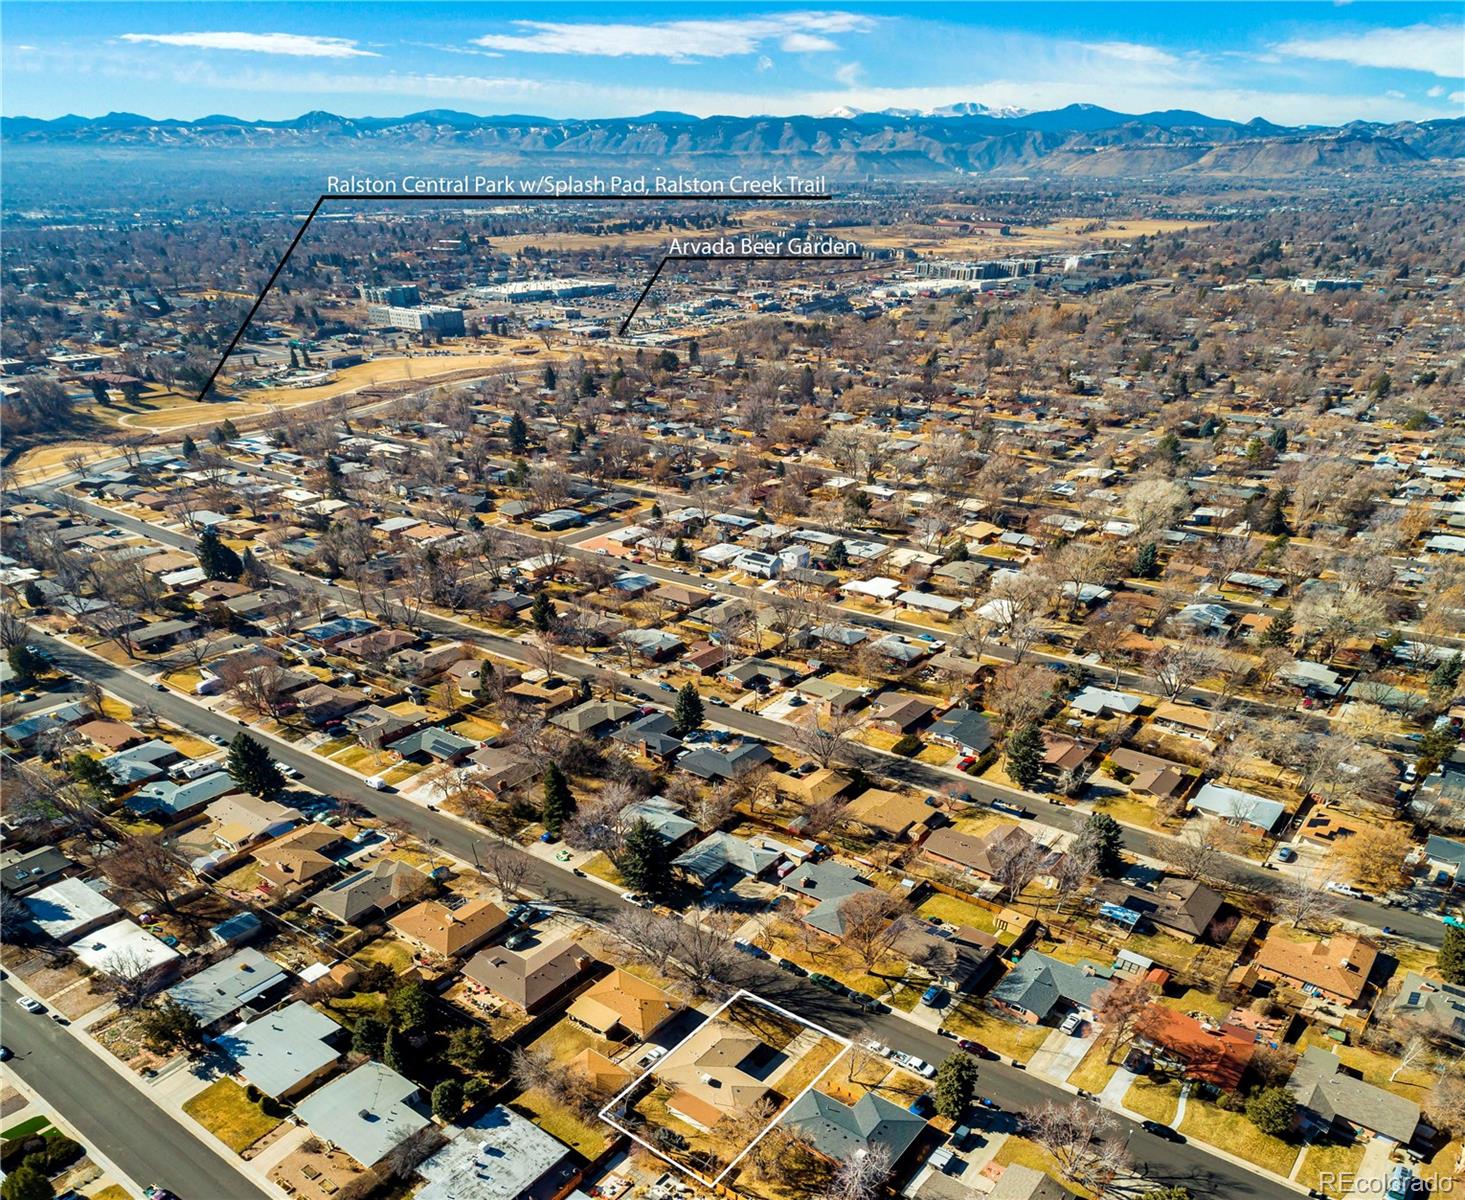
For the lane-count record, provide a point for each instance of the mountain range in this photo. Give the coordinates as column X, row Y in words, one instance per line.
column 1079, row 140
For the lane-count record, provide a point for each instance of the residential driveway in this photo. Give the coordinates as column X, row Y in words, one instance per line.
column 1112, row 1097
column 1059, row 1054
column 1373, row 1170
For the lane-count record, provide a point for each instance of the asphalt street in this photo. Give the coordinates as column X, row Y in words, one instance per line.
column 142, row 1138
column 1009, row 1087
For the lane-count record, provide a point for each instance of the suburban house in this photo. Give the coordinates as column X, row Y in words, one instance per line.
column 723, row 856
column 964, row 729
column 894, row 815
column 623, row 1007
column 23, row 870
column 294, row 861
column 1329, row 1096
column 839, row 1131
column 498, row 768
column 218, row 992
column 500, row 1156
column 531, row 979
column 1444, row 860
column 823, row 887
column 982, row 855
column 897, row 712
column 1018, row 1182
column 1336, row 968
column 1238, row 807
column 68, row 908
column 1039, row 987
column 716, row 1073
column 1182, row 908
column 707, row 763
column 449, row 932
column 1438, row 1005
column 368, row 1113
column 284, row 1052
column 372, row 891
column 1205, row 1051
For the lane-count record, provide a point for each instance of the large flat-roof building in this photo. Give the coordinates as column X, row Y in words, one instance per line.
column 417, row 318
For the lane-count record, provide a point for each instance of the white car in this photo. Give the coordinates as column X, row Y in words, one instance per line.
column 289, row 772
column 379, row 782
column 879, row 1048
column 31, row 1006
column 1072, row 1025
column 1343, row 889
column 633, row 898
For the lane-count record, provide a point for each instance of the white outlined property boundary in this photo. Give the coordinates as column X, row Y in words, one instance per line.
column 744, row 995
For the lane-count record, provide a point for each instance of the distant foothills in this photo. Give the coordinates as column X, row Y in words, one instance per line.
column 1081, row 140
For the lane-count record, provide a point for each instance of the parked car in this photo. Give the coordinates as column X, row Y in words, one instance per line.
column 1072, row 1025
column 289, row 772
column 31, row 1005
column 1286, row 854
column 975, row 1049
column 217, row 740
column 379, row 783
column 1162, row 1131
column 633, row 898
column 934, row 996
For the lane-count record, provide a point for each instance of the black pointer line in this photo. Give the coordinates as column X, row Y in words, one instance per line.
column 324, row 196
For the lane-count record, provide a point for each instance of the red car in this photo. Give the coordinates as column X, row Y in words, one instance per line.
column 976, row 1049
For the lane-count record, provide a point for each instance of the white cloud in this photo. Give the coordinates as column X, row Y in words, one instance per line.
column 1435, row 92
column 764, row 63
column 1133, row 52
column 680, row 41
column 294, row 44
column 806, row 43
column 1431, row 48
column 1456, row 97
column 849, row 74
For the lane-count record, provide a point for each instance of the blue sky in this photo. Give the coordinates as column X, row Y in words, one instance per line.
column 1290, row 63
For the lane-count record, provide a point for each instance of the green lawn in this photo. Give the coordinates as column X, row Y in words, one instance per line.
column 1009, row 1038
column 1235, row 1133
column 589, row 1138
column 231, row 1116
column 1095, row 1071
column 27, row 1127
column 396, row 954
column 1029, row 1154
column 1154, row 1096
column 958, row 912
column 1330, row 1157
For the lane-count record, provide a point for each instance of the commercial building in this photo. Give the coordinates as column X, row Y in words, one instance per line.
column 419, row 318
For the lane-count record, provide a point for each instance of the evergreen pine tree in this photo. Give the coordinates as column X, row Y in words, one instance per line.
column 189, row 448
column 34, row 597
column 550, row 378
column 518, row 434
column 1278, row 440
column 1146, row 561
column 391, row 1054
column 644, row 863
column 26, row 1182
column 1279, row 632
column 335, row 481
column 447, row 1099
column 369, row 1036
column 542, row 614
column 1025, row 755
column 689, row 711
column 956, row 1085
column 1102, row 832
column 1452, row 955
column 1445, row 676
column 251, row 767
column 839, row 554
column 25, row 664
column 559, row 803
column 217, row 560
